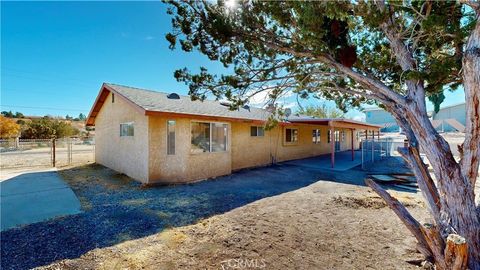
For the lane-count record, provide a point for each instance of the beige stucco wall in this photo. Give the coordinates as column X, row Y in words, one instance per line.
column 183, row 166
column 144, row 156
column 128, row 155
column 250, row 151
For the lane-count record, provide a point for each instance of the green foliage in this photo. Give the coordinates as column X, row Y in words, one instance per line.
column 436, row 99
column 321, row 111
column 10, row 114
column 276, row 46
column 47, row 128
column 82, row 117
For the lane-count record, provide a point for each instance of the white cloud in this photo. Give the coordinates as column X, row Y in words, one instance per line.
column 360, row 118
column 149, row 38
column 262, row 98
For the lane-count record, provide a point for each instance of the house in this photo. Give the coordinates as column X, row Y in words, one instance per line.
column 451, row 118
column 448, row 119
column 157, row 137
column 379, row 116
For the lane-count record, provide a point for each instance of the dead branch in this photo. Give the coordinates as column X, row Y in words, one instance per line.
column 410, row 222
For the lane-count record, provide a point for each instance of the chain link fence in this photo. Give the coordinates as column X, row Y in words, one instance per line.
column 375, row 150
column 20, row 153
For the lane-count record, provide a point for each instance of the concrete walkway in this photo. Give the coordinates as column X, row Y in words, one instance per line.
column 34, row 196
column 343, row 161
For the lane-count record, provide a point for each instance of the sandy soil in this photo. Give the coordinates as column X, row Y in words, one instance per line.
column 325, row 225
column 42, row 157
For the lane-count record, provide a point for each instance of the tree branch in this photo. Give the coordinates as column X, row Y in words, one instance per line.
column 471, row 82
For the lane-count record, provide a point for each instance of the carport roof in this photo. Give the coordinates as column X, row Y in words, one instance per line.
column 150, row 102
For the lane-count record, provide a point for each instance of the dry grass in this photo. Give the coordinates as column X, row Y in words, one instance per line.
column 323, row 226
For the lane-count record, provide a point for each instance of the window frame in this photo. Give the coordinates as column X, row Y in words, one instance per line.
column 257, row 128
column 291, row 136
column 227, row 148
column 128, row 124
column 174, row 136
column 316, row 136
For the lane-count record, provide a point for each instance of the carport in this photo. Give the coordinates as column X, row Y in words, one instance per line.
column 337, row 123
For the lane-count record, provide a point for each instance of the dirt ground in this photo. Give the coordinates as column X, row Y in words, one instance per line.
column 325, row 225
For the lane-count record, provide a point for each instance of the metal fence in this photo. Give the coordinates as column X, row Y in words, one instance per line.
column 18, row 153
column 374, row 150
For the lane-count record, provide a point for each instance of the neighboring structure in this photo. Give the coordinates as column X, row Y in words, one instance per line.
column 156, row 137
column 448, row 119
column 379, row 116
column 451, row 118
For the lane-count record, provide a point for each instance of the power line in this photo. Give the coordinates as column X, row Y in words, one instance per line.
column 43, row 108
column 43, row 76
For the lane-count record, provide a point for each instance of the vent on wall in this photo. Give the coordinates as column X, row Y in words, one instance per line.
column 173, row 96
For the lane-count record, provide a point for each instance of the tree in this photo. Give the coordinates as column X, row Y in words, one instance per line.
column 8, row 128
column 45, row 128
column 68, row 117
column 8, row 114
column 391, row 53
column 82, row 117
column 436, row 99
column 321, row 111
column 19, row 115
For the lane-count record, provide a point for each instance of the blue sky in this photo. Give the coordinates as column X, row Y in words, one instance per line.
column 55, row 55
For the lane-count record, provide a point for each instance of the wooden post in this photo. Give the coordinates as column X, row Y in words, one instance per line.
column 378, row 133
column 332, row 144
column 353, row 150
column 53, row 152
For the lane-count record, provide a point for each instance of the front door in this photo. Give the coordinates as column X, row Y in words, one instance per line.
column 337, row 141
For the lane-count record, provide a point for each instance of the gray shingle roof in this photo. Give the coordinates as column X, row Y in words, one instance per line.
column 159, row 102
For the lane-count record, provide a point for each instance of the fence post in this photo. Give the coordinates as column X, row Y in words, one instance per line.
column 363, row 148
column 53, row 152
column 373, row 150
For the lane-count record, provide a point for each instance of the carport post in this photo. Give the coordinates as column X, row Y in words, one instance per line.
column 332, row 144
column 353, row 153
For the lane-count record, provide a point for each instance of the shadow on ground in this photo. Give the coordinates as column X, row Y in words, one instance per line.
column 116, row 209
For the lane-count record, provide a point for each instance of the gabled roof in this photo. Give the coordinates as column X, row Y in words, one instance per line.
column 150, row 102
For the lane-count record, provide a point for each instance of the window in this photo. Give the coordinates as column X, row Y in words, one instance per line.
column 209, row 137
column 113, row 98
column 316, row 136
column 257, row 131
column 358, row 135
column 291, row 135
column 329, row 136
column 170, row 137
column 342, row 133
column 126, row 129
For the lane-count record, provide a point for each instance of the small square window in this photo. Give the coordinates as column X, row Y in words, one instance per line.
column 257, row 131
column 126, row 130
column 291, row 135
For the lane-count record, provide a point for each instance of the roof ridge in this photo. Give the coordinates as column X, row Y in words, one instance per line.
column 166, row 93
column 144, row 89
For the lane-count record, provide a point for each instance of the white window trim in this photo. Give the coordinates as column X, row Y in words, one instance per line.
column 227, row 148
column 317, row 136
column 285, row 136
column 257, row 127
column 175, row 139
column 127, row 123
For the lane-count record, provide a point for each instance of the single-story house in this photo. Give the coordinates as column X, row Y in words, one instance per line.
column 157, row 137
